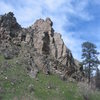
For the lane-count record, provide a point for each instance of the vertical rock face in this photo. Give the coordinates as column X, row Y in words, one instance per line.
column 9, row 30
column 42, row 34
column 47, row 42
column 39, row 42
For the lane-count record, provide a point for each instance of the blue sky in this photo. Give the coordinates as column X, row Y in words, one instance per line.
column 76, row 20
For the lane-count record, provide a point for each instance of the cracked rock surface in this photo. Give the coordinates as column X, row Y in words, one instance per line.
column 39, row 47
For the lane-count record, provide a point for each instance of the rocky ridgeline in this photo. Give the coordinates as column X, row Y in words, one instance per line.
column 38, row 47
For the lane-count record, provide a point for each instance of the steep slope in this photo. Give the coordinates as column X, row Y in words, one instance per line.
column 38, row 47
column 16, row 84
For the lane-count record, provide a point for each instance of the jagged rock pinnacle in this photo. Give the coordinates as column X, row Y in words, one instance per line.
column 38, row 45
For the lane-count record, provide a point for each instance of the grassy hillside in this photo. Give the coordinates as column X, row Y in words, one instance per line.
column 15, row 84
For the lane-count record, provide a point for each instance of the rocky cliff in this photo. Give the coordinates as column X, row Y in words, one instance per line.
column 38, row 48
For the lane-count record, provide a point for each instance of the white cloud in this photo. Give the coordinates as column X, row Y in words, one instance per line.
column 73, row 44
column 5, row 8
column 28, row 10
column 54, row 4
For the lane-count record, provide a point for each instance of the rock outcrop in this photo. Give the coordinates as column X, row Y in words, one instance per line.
column 39, row 47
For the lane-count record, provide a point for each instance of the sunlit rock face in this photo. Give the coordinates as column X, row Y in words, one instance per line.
column 39, row 46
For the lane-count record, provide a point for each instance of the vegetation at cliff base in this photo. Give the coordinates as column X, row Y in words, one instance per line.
column 15, row 84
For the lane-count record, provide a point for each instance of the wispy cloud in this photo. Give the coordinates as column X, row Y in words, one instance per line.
column 4, row 7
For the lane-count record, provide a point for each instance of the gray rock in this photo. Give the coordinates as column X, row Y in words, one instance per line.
column 39, row 47
column 8, row 55
column 1, row 90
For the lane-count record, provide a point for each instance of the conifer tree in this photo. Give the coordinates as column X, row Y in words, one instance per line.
column 90, row 58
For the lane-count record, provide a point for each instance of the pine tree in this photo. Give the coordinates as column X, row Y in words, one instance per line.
column 98, row 78
column 90, row 58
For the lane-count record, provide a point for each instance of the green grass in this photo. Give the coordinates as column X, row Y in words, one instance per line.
column 17, row 85
column 95, row 96
column 1, row 58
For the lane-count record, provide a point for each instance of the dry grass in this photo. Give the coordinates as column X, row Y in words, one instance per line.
column 88, row 92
